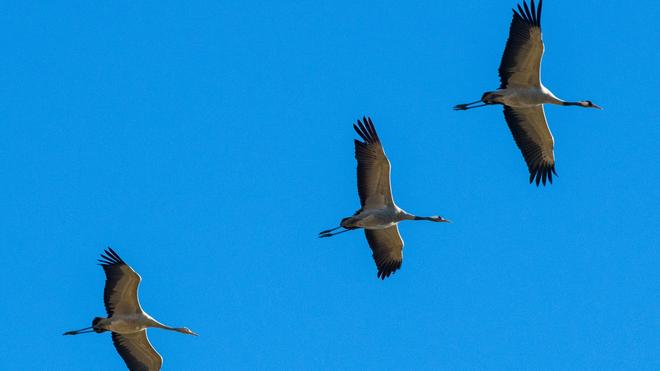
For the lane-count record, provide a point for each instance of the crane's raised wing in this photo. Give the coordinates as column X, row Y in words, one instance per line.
column 137, row 351
column 121, row 285
column 373, row 170
column 532, row 135
column 387, row 247
column 521, row 61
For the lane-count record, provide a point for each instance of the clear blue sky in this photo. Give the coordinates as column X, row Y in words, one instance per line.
column 209, row 142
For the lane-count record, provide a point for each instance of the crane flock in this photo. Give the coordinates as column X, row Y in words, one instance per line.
column 522, row 96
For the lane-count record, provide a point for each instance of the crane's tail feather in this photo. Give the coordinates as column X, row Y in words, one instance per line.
column 96, row 328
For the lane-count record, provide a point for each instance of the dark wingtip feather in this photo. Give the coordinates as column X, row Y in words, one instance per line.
column 110, row 257
column 115, row 255
column 520, row 12
column 382, row 274
column 387, row 269
column 542, row 174
column 527, row 12
column 366, row 130
column 530, row 15
column 359, row 128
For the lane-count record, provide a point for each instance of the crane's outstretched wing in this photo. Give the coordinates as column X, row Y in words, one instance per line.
column 521, row 61
column 137, row 351
column 387, row 247
column 532, row 135
column 121, row 285
column 373, row 170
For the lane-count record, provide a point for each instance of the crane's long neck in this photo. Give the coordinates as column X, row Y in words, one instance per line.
column 403, row 215
column 583, row 104
column 156, row 324
column 550, row 98
column 407, row 216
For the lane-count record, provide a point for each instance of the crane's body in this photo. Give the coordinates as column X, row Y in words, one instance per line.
column 126, row 319
column 379, row 214
column 127, row 323
column 523, row 95
column 380, row 218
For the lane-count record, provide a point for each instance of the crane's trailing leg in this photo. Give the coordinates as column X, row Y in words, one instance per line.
column 81, row 331
column 329, row 230
column 467, row 106
column 329, row 233
column 488, row 98
column 346, row 223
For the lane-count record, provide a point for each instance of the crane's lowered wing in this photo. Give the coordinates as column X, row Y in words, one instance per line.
column 387, row 247
column 532, row 135
column 137, row 351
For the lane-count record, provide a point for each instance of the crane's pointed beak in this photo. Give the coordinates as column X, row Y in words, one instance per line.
column 597, row 106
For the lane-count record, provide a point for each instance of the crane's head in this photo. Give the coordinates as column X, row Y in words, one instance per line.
column 439, row 219
column 589, row 104
column 185, row 330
